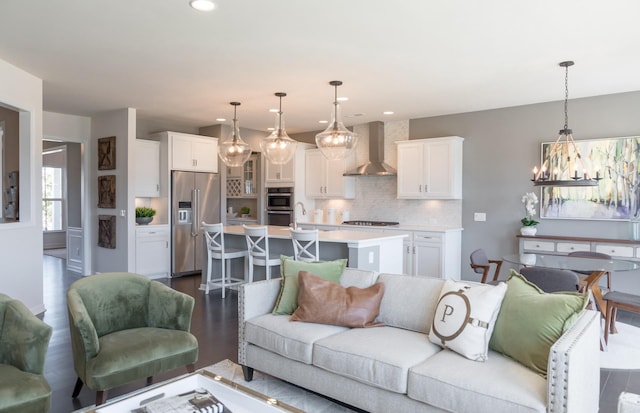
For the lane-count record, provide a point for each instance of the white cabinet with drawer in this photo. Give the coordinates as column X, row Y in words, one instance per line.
column 620, row 251
column 569, row 247
column 152, row 251
column 538, row 246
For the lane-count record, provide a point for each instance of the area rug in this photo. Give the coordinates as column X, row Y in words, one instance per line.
column 285, row 392
column 623, row 351
column 56, row 252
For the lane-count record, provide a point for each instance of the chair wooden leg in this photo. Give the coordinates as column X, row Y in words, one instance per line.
column 77, row 388
column 101, row 397
column 191, row 368
column 149, row 380
column 248, row 373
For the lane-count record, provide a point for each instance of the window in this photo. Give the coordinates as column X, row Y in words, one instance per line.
column 53, row 190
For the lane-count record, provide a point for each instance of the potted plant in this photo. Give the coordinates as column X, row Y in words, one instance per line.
column 144, row 215
column 245, row 211
column 528, row 223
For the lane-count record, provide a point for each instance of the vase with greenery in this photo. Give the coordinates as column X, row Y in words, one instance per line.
column 144, row 215
column 528, row 223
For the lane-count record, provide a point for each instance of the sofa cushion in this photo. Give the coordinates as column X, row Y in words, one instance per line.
column 409, row 302
column 530, row 321
column 325, row 302
column 288, row 339
column 365, row 355
column 354, row 277
column 287, row 300
column 454, row 383
column 465, row 316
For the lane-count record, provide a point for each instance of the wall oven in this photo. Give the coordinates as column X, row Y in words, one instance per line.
column 280, row 206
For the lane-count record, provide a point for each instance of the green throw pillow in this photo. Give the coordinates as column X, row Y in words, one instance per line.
column 288, row 298
column 531, row 321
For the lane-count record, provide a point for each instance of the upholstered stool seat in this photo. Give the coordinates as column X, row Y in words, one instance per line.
column 125, row 327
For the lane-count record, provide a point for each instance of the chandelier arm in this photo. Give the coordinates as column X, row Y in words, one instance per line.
column 554, row 148
column 575, row 148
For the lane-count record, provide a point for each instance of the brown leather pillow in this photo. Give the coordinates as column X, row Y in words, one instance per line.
column 326, row 302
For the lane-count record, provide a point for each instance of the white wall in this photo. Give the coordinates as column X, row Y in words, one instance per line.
column 21, row 242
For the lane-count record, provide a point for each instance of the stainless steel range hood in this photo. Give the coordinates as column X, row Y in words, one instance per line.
column 375, row 165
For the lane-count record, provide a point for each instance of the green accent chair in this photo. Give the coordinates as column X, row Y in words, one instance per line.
column 125, row 327
column 24, row 341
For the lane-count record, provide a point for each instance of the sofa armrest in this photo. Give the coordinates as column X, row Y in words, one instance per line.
column 573, row 380
column 254, row 299
column 84, row 338
column 24, row 339
column 169, row 308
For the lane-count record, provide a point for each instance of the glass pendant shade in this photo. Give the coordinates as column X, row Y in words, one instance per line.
column 336, row 142
column 234, row 151
column 278, row 147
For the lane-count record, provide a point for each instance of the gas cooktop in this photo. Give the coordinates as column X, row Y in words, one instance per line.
column 372, row 223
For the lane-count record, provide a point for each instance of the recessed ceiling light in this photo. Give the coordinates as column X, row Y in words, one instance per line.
column 323, row 121
column 202, row 5
column 221, row 120
column 343, row 99
column 273, row 110
column 387, row 112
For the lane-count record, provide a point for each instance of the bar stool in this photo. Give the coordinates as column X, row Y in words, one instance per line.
column 303, row 243
column 258, row 246
column 216, row 250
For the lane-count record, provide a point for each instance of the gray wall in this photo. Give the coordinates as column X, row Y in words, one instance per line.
column 500, row 149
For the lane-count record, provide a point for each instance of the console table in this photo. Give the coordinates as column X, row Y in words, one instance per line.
column 560, row 245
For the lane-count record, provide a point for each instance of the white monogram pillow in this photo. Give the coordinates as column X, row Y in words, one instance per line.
column 465, row 317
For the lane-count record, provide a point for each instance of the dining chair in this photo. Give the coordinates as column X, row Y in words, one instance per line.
column 551, row 280
column 590, row 254
column 258, row 247
column 305, row 245
column 482, row 265
column 216, row 250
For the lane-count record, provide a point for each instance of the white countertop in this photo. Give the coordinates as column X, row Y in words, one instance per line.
column 430, row 228
column 338, row 236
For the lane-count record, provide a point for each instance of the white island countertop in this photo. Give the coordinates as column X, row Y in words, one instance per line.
column 352, row 237
column 400, row 227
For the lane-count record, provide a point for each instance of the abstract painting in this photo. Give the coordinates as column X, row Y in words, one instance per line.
column 616, row 197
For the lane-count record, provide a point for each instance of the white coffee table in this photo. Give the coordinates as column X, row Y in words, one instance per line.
column 235, row 397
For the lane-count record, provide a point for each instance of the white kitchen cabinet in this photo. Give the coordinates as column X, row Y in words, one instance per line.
column 433, row 254
column 193, row 152
column 147, row 176
column 152, row 251
column 280, row 174
column 242, row 180
column 324, row 178
column 430, row 168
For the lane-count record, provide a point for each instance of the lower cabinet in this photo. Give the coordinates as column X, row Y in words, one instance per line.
column 433, row 254
column 153, row 256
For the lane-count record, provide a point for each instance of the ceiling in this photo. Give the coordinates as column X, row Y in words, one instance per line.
column 417, row 58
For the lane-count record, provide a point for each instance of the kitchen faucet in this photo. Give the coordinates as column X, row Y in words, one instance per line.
column 304, row 212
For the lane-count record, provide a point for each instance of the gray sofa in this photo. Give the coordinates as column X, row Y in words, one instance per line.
column 396, row 367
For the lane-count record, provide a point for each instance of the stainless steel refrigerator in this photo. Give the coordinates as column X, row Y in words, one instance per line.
column 195, row 197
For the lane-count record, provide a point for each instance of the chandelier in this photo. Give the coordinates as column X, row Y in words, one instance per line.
column 234, row 151
column 560, row 166
column 336, row 141
column 278, row 147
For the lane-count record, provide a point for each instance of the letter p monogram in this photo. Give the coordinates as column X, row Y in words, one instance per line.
column 448, row 310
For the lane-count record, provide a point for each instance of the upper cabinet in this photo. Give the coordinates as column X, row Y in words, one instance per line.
column 147, row 176
column 280, row 174
column 324, row 179
column 193, row 152
column 430, row 168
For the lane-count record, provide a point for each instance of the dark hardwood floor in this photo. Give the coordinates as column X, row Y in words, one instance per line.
column 215, row 324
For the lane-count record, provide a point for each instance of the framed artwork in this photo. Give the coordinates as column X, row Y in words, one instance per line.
column 107, row 153
column 107, row 231
column 107, row 191
column 616, row 197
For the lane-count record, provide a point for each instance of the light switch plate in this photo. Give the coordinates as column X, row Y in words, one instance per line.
column 479, row 216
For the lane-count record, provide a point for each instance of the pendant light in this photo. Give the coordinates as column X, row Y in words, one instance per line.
column 234, row 151
column 278, row 147
column 336, row 141
column 563, row 165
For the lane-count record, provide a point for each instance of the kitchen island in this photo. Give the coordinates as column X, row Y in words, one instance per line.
column 378, row 251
